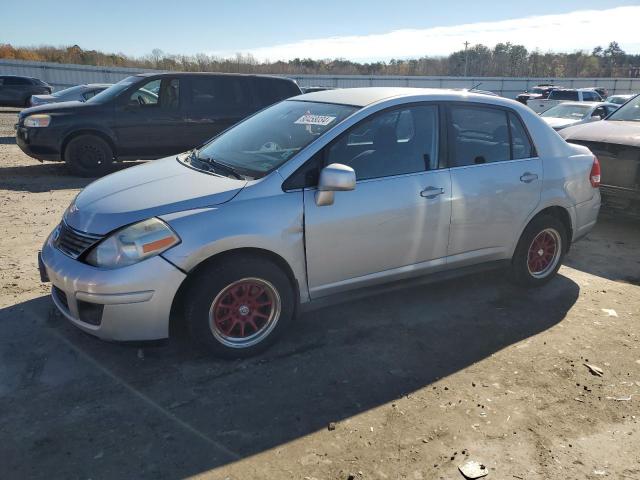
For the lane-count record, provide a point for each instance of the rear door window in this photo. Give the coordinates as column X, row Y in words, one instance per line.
column 478, row 135
column 218, row 94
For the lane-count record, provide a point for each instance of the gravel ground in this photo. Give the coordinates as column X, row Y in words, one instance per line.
column 407, row 384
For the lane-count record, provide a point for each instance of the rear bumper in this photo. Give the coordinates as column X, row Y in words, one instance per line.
column 586, row 216
column 124, row 304
column 39, row 143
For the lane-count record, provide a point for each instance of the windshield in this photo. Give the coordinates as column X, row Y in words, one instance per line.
column 113, row 91
column 537, row 90
column 574, row 112
column 266, row 140
column 630, row 111
column 618, row 99
column 68, row 91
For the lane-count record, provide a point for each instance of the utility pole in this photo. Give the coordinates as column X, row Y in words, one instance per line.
column 466, row 58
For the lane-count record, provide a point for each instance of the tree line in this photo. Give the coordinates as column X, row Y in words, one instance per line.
column 504, row 59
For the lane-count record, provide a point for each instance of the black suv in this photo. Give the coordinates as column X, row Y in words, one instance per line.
column 16, row 91
column 145, row 116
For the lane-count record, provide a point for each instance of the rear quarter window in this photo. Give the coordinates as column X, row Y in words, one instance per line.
column 272, row 90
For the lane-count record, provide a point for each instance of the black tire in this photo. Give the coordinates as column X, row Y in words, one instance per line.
column 214, row 287
column 27, row 102
column 88, row 156
column 530, row 266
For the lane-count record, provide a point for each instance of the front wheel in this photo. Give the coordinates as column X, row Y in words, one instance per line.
column 240, row 306
column 540, row 251
column 89, row 156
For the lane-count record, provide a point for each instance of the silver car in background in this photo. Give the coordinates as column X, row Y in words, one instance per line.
column 79, row 93
column 317, row 195
column 574, row 113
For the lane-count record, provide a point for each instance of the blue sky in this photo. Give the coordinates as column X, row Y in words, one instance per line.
column 262, row 27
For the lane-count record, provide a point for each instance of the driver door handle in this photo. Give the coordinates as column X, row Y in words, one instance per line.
column 528, row 177
column 431, row 192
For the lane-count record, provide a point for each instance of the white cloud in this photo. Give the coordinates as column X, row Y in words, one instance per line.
column 579, row 30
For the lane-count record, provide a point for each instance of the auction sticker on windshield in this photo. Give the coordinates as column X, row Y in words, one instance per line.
column 309, row 119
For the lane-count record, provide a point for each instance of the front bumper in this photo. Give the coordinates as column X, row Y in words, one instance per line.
column 39, row 143
column 131, row 303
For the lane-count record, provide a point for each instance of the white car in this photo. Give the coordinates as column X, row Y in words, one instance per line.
column 619, row 99
column 561, row 95
column 79, row 93
column 573, row 113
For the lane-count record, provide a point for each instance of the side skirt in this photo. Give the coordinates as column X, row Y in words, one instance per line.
column 365, row 292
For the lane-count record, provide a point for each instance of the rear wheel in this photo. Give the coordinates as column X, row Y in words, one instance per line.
column 240, row 306
column 540, row 251
column 89, row 156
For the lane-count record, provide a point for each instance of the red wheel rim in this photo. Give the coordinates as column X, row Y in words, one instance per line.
column 543, row 252
column 244, row 312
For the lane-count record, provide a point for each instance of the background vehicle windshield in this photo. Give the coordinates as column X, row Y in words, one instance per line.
column 67, row 91
column 113, row 90
column 576, row 112
column 628, row 112
column 271, row 137
column 536, row 90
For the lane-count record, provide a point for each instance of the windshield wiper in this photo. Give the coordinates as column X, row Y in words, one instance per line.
column 229, row 170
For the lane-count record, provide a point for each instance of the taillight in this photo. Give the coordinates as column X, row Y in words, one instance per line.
column 594, row 176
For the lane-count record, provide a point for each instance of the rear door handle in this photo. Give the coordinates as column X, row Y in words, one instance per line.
column 528, row 177
column 431, row 192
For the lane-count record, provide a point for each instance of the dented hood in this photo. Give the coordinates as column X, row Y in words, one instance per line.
column 157, row 188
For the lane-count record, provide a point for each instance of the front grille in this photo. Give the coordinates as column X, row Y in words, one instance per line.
column 60, row 296
column 74, row 243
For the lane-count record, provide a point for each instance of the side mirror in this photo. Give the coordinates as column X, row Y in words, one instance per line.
column 334, row 178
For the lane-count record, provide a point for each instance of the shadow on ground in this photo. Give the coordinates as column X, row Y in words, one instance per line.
column 77, row 407
column 8, row 140
column 615, row 236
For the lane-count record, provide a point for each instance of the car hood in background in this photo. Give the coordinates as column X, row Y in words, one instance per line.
column 557, row 122
column 42, row 99
column 157, row 188
column 58, row 107
column 608, row 131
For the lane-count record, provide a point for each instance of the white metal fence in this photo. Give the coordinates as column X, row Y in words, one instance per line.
column 65, row 75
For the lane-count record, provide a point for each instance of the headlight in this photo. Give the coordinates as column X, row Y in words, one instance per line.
column 37, row 121
column 133, row 244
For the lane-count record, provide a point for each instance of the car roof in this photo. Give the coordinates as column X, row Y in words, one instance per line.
column 212, row 74
column 361, row 97
column 98, row 85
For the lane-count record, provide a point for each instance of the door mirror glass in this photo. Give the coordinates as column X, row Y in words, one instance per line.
column 334, row 178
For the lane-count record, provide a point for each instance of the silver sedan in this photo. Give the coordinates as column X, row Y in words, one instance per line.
column 79, row 93
column 319, row 195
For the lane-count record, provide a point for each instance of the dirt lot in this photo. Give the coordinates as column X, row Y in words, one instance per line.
column 414, row 380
